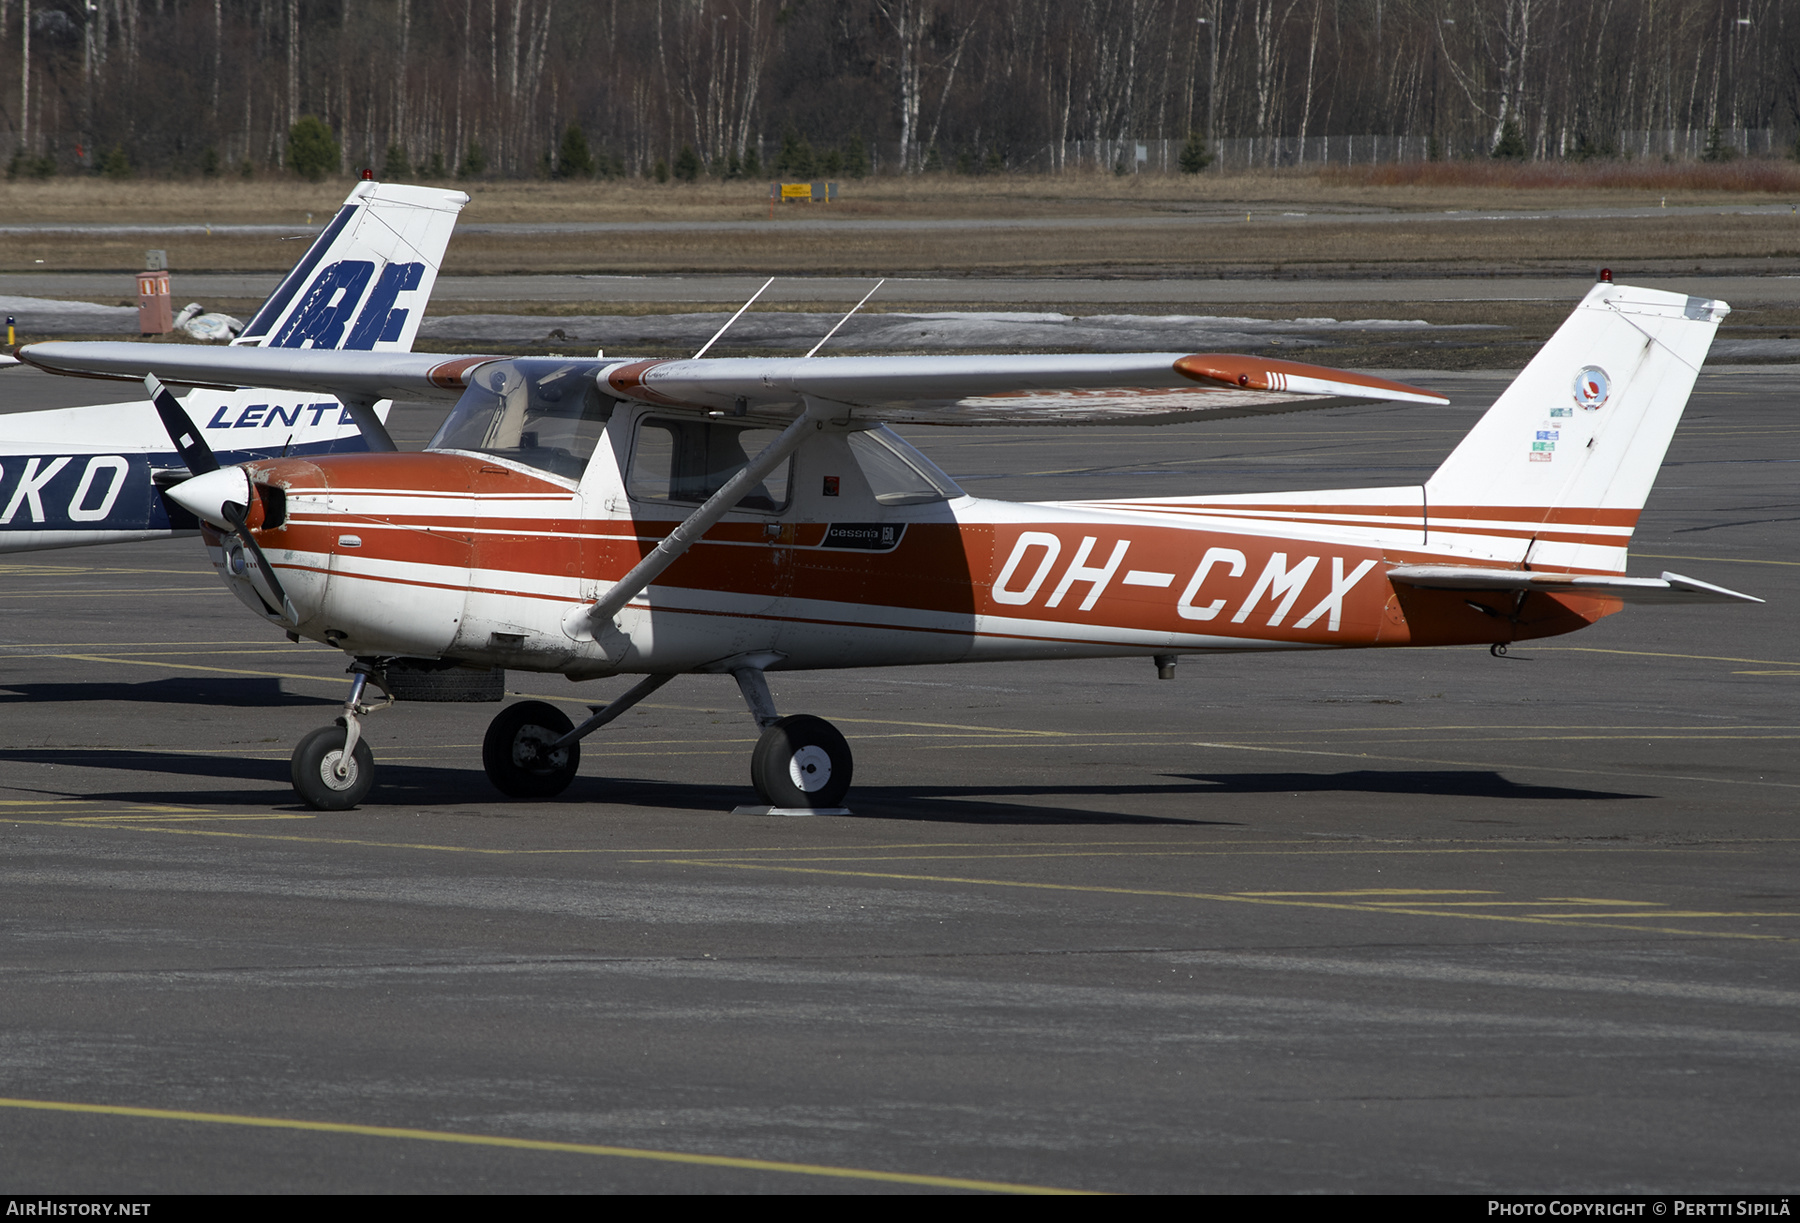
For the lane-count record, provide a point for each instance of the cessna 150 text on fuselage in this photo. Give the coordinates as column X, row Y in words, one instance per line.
column 736, row 516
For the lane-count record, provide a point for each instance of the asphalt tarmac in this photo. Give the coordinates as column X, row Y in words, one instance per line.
column 1416, row 921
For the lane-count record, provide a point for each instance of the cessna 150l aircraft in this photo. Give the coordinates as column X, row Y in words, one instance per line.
column 601, row 517
column 97, row 474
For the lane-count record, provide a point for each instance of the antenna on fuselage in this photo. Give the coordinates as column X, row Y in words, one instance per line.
column 846, row 318
column 734, row 318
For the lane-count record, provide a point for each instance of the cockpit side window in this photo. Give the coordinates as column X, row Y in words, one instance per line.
column 690, row 460
column 543, row 412
column 898, row 474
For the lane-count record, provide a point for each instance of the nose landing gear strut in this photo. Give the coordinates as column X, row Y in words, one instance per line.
column 332, row 768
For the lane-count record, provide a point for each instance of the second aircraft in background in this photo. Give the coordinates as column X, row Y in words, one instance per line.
column 97, row 475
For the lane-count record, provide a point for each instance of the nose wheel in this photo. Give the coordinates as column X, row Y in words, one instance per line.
column 325, row 776
column 333, row 769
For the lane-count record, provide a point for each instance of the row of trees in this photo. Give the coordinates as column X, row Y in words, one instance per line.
column 493, row 86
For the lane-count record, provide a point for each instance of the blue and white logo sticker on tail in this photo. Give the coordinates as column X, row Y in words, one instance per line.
column 366, row 279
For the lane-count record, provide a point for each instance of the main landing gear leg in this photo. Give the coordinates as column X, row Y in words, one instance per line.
column 332, row 768
column 801, row 765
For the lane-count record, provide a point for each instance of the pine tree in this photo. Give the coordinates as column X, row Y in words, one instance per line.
column 687, row 164
column 312, row 153
column 1195, row 156
column 1716, row 147
column 398, row 166
column 856, row 158
column 1511, row 145
column 572, row 158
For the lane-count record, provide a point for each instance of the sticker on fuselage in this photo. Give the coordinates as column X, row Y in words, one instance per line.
column 864, row 536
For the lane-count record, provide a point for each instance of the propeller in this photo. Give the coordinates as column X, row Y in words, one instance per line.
column 188, row 443
column 220, row 496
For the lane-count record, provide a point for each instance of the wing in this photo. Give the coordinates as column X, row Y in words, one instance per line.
column 345, row 374
column 1669, row 588
column 1136, row 388
column 1133, row 388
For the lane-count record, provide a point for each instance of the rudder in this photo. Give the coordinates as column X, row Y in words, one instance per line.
column 1556, row 472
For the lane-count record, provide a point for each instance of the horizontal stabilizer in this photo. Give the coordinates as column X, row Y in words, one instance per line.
column 1669, row 588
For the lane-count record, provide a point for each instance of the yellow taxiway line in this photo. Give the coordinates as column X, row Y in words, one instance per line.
column 533, row 1144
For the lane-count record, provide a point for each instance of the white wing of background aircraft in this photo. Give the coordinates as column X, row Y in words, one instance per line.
column 96, row 475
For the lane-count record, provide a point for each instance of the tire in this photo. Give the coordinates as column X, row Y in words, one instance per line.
column 513, row 751
column 314, row 770
column 801, row 761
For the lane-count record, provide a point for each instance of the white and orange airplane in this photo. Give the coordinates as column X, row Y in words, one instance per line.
column 600, row 517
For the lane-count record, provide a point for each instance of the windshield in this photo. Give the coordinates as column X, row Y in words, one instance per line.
column 545, row 412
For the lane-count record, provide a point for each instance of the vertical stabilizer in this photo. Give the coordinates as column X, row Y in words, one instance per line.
column 1555, row 474
column 365, row 281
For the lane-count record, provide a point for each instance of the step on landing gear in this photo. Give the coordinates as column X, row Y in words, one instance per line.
column 801, row 764
column 332, row 768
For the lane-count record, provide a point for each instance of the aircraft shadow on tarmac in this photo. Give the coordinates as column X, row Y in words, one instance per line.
column 428, row 786
column 232, row 693
column 1443, row 783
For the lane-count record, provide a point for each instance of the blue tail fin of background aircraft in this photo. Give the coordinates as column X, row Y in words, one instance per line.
column 364, row 283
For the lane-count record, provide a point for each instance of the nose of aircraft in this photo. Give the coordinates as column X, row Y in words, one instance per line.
column 205, row 496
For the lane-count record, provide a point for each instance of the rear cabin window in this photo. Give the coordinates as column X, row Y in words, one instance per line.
column 688, row 461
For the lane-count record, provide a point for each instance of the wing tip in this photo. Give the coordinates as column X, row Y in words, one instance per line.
column 1272, row 374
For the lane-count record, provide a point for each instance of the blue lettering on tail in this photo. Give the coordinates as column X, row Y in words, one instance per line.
column 379, row 321
column 327, row 308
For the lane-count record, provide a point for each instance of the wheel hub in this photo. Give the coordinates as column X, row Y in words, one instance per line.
column 531, row 749
column 810, row 769
column 338, row 770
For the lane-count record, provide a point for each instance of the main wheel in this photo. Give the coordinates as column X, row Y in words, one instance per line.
column 323, row 778
column 801, row 761
column 516, row 752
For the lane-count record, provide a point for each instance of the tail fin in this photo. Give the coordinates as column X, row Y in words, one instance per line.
column 383, row 247
column 1555, row 474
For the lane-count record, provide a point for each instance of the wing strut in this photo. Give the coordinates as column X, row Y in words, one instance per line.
column 581, row 623
column 375, row 434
